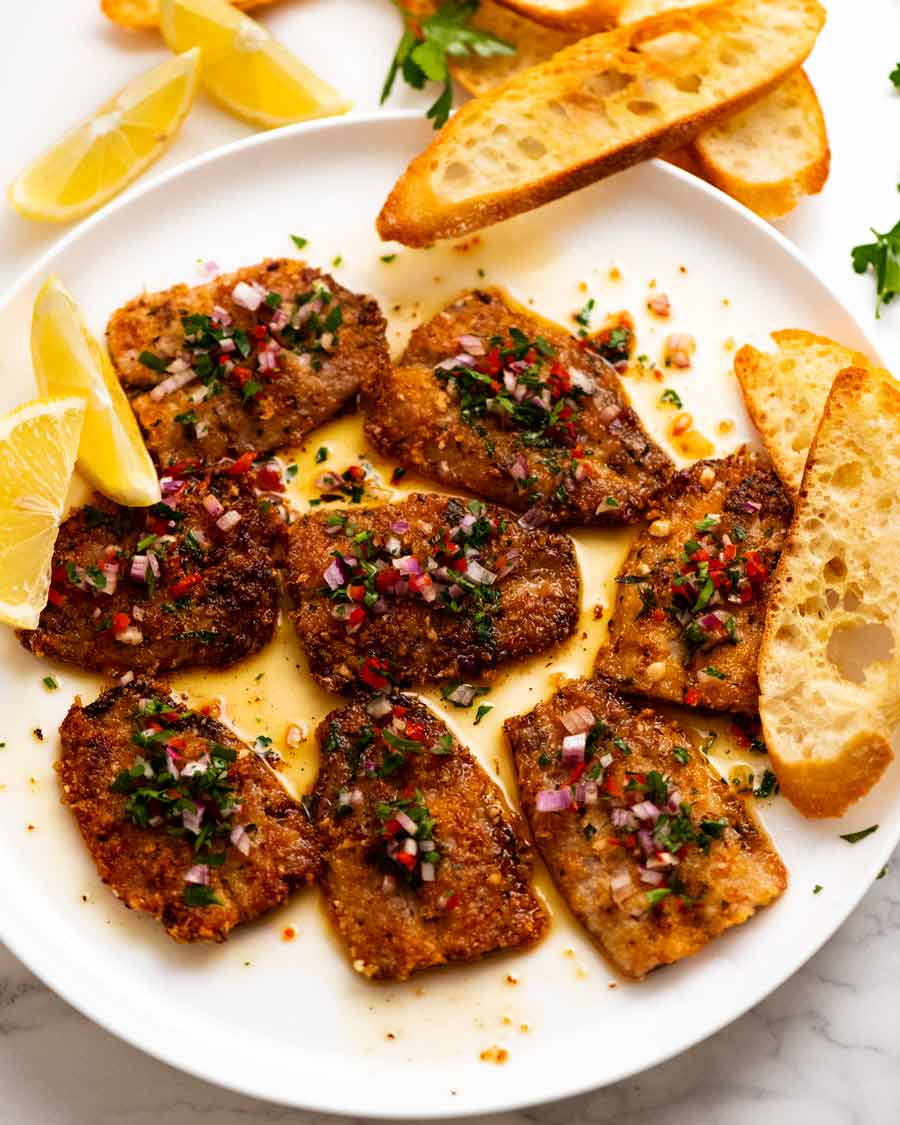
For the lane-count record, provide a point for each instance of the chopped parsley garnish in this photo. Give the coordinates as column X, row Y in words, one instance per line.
column 187, row 418
column 93, row 517
column 388, row 258
column 321, row 455
column 50, row 683
column 425, row 45
column 716, row 673
column 337, row 260
column 894, row 76
column 671, row 397
column 198, row 895
column 583, row 317
column 768, row 786
column 658, row 894
column 299, row 242
column 817, row 889
column 148, row 359
column 681, row 754
column 273, row 300
column 855, row 837
column 883, row 256
column 483, row 709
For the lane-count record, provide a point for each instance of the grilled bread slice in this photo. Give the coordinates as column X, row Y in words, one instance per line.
column 596, row 108
column 772, row 153
column 785, row 393
column 768, row 156
column 142, row 14
column 830, row 660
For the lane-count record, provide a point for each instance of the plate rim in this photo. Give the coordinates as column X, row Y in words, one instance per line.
column 54, row 978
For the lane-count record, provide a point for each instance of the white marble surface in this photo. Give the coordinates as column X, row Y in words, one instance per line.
column 826, row 1045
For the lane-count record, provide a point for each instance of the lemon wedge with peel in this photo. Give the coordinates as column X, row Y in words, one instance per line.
column 68, row 360
column 38, row 444
column 244, row 67
column 97, row 158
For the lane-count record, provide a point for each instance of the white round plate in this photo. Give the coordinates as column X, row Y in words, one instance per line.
column 290, row 1021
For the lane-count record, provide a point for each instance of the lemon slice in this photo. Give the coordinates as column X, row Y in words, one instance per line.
column 97, row 158
column 68, row 360
column 38, row 444
column 244, row 67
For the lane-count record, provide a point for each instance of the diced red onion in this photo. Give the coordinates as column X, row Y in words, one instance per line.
column 480, row 574
column 622, row 818
column 138, row 569
column 583, row 381
column 249, row 297
column 606, row 760
column 388, row 884
column 212, row 505
column 280, row 318
column 427, row 871
column 400, row 526
column 379, row 706
column 645, row 839
column 409, row 846
column 659, row 303
column 587, row 792
column 239, row 838
column 198, row 765
column 674, row 802
column 645, row 810
column 172, row 383
column 408, row 564
column 334, row 574
column 199, row 874
column 406, row 823
column 137, row 613
column 126, row 678
column 620, row 885
column 553, row 800
column 171, row 763
column 229, row 521
column 221, row 316
column 573, row 746
column 191, row 820
column 462, row 694
column 472, row 344
column 533, row 518
column 110, row 572
column 462, row 360
column 577, row 720
column 652, row 878
column 130, row 636
column 609, row 414
column 518, row 470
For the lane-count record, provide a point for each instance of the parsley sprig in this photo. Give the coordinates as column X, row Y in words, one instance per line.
column 883, row 255
column 426, row 44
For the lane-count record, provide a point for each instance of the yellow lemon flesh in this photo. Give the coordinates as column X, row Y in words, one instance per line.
column 38, row 445
column 244, row 67
column 69, row 361
column 99, row 157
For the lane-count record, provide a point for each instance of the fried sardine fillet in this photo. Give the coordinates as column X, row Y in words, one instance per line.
column 691, row 605
column 490, row 398
column 182, row 819
column 424, row 863
column 431, row 588
column 253, row 360
column 189, row 581
column 654, row 854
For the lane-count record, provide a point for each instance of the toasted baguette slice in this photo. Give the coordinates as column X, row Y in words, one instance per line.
column 141, row 14
column 767, row 157
column 595, row 108
column 785, row 394
column 830, row 661
column 772, row 153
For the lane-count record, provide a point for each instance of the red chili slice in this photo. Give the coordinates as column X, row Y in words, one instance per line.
column 120, row 622
column 56, row 598
column 692, row 697
column 177, row 589
column 242, row 464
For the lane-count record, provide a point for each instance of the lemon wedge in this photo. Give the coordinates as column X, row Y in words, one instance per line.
column 244, row 67
column 97, row 158
column 69, row 361
column 38, row 445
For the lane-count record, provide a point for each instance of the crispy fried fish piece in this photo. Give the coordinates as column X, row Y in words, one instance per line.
column 691, row 606
column 654, row 855
column 165, row 587
column 136, row 768
column 490, row 398
column 424, row 863
column 277, row 348
column 431, row 588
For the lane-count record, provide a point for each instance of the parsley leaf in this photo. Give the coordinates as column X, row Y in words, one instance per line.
column 895, row 75
column 425, row 45
column 883, row 255
column 855, row 837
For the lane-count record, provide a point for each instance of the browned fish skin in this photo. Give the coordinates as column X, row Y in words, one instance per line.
column 645, row 651
column 145, row 867
column 412, row 417
column 418, row 642
column 600, row 880
column 225, row 613
column 291, row 401
column 392, row 922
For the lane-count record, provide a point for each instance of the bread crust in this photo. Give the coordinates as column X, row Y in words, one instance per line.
column 586, row 17
column 415, row 215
